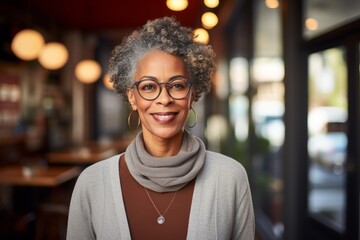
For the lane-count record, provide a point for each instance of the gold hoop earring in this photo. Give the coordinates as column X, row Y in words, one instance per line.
column 129, row 121
column 191, row 119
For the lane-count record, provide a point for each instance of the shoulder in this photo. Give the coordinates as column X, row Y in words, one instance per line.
column 98, row 166
column 94, row 174
column 224, row 163
column 226, row 172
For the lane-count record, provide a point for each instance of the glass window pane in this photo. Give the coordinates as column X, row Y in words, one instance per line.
column 266, row 135
column 269, row 130
column 239, row 75
column 327, row 141
column 239, row 116
column 324, row 15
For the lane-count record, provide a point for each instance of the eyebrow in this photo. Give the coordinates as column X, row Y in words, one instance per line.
column 155, row 79
column 147, row 77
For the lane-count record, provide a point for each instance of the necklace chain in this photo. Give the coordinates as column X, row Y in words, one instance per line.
column 161, row 218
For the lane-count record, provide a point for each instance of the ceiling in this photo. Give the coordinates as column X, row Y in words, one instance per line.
column 114, row 18
column 95, row 15
column 111, row 19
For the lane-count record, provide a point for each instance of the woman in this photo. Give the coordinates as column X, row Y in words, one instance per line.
column 166, row 185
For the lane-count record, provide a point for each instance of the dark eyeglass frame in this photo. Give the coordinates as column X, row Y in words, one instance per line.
column 167, row 85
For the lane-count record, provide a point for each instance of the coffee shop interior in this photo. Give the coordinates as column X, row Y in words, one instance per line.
column 284, row 103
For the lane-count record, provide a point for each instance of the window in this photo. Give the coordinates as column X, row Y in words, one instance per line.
column 327, row 143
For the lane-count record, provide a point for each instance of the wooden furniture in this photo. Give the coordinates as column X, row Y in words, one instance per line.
column 42, row 176
column 12, row 149
column 80, row 156
column 89, row 153
column 40, row 197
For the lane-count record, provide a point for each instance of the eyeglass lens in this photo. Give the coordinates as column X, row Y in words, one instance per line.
column 151, row 89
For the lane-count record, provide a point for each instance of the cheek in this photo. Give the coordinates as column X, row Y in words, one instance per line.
column 141, row 104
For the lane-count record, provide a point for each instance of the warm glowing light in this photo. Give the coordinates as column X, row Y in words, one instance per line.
column 107, row 83
column 177, row 5
column 209, row 20
column 201, row 35
column 87, row 71
column 27, row 44
column 272, row 3
column 211, row 3
column 311, row 24
column 53, row 56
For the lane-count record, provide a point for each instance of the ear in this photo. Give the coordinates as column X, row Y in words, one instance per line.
column 192, row 99
column 131, row 99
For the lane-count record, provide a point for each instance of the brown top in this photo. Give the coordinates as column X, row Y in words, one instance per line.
column 142, row 216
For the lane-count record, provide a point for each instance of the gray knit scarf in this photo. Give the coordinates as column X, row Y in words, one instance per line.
column 165, row 174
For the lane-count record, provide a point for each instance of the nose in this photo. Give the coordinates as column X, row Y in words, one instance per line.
column 164, row 97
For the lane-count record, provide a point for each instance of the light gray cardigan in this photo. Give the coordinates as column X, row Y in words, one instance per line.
column 221, row 206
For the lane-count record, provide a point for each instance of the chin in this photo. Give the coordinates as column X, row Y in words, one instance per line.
column 167, row 133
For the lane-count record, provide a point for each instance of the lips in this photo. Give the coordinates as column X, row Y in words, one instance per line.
column 164, row 117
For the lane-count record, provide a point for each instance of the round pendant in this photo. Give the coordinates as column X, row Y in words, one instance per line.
column 161, row 220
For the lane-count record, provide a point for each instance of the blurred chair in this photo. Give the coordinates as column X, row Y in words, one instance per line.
column 51, row 222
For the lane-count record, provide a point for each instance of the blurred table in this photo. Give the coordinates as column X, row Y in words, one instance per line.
column 50, row 176
column 31, row 189
column 89, row 153
column 80, row 156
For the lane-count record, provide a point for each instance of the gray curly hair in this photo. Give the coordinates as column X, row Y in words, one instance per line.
column 164, row 34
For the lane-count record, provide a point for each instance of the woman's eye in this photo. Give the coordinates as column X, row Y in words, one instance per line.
column 148, row 86
column 178, row 85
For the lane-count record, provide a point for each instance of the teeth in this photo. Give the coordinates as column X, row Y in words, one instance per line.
column 169, row 114
column 163, row 117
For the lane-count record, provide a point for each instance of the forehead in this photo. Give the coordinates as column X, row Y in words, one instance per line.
column 160, row 63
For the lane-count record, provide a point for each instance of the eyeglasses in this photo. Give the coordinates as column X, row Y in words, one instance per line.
column 150, row 89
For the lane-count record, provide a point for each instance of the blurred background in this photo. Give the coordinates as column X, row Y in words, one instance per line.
column 284, row 102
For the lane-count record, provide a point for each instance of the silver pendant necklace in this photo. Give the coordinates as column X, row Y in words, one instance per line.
column 161, row 218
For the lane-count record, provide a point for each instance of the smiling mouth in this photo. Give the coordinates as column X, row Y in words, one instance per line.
column 164, row 117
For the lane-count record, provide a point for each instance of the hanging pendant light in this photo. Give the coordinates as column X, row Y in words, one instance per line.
column 53, row 56
column 87, row 71
column 209, row 20
column 177, row 5
column 27, row 44
column 272, row 3
column 201, row 35
column 211, row 3
column 311, row 24
column 107, row 83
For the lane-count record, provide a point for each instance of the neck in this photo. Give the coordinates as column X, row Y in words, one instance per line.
column 163, row 147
